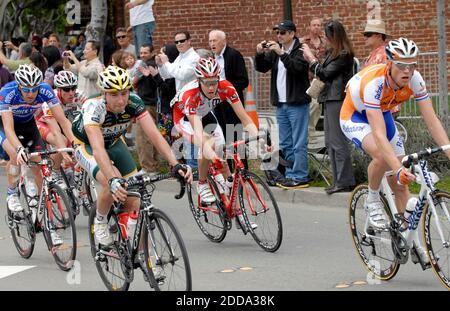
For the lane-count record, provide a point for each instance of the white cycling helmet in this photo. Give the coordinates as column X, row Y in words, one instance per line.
column 401, row 48
column 113, row 79
column 28, row 75
column 65, row 78
column 207, row 68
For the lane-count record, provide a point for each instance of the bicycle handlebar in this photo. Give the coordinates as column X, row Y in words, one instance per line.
column 145, row 179
column 49, row 152
column 408, row 160
column 264, row 134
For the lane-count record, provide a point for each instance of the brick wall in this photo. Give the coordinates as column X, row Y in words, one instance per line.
column 248, row 22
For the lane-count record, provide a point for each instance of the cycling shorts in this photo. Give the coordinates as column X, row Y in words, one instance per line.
column 28, row 135
column 210, row 126
column 118, row 153
column 357, row 128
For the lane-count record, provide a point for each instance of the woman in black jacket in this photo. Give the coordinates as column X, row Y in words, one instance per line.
column 335, row 72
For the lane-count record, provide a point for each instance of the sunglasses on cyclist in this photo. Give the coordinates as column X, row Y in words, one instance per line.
column 209, row 82
column 68, row 89
column 282, row 32
column 180, row 41
column 121, row 37
column 404, row 66
column 30, row 89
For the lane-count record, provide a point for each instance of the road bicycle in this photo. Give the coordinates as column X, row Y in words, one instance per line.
column 156, row 247
column 383, row 250
column 52, row 214
column 257, row 212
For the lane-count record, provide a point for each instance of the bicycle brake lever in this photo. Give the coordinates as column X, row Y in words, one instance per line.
column 182, row 189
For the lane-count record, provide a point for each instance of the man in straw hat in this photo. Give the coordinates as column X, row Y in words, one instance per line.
column 375, row 36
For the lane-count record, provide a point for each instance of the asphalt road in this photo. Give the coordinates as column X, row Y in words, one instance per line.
column 316, row 254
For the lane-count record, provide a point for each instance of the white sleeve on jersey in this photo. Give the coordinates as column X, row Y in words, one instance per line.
column 418, row 86
column 94, row 112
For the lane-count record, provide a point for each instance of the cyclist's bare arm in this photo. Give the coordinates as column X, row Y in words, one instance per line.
column 8, row 126
column 378, row 126
column 151, row 131
column 60, row 139
column 201, row 139
column 60, row 117
column 246, row 121
column 434, row 125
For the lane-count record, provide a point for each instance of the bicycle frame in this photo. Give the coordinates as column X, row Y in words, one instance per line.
column 230, row 203
column 425, row 195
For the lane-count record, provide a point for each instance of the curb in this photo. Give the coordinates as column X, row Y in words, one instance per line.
column 315, row 196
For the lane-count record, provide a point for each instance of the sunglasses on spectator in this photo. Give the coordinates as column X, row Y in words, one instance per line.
column 368, row 34
column 121, row 37
column 282, row 32
column 209, row 82
column 30, row 89
column 68, row 89
column 180, row 41
column 404, row 66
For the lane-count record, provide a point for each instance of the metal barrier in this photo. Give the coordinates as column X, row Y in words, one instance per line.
column 428, row 67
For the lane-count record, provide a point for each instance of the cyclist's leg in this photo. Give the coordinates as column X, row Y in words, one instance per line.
column 185, row 128
column 401, row 191
column 85, row 157
column 126, row 166
column 51, row 134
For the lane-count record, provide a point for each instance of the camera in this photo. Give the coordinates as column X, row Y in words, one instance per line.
column 66, row 53
column 265, row 45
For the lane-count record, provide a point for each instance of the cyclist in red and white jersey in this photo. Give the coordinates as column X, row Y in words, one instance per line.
column 194, row 118
column 367, row 121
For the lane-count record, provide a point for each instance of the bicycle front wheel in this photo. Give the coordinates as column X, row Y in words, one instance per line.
column 260, row 212
column 436, row 229
column 373, row 246
column 22, row 227
column 108, row 262
column 165, row 254
column 63, row 224
column 210, row 219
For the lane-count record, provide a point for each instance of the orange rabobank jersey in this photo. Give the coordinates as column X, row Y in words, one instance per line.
column 370, row 89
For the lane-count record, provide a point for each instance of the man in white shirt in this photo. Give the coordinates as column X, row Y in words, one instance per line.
column 142, row 22
column 182, row 69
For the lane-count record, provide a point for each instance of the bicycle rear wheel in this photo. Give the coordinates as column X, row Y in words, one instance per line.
column 108, row 262
column 373, row 246
column 437, row 249
column 165, row 254
column 260, row 208
column 64, row 225
column 22, row 227
column 210, row 219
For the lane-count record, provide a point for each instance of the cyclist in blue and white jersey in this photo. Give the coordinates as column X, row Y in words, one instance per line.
column 20, row 101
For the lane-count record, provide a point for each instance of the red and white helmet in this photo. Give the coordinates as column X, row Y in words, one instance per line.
column 65, row 79
column 207, row 68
